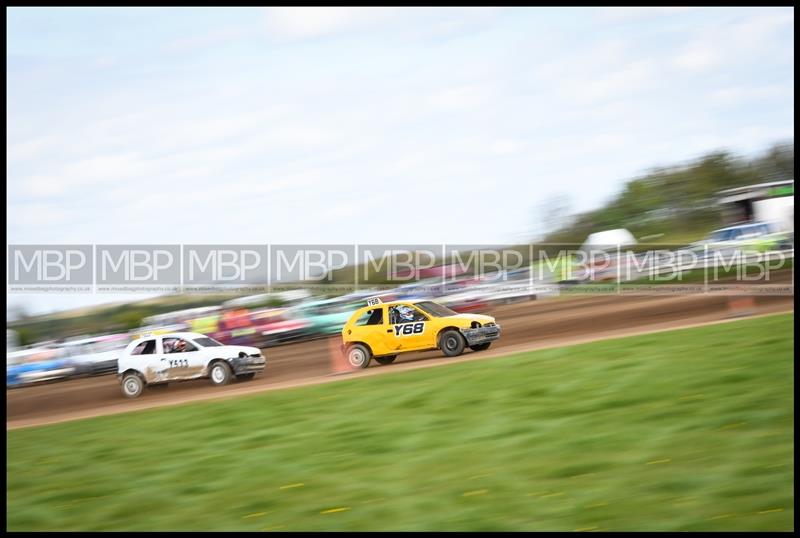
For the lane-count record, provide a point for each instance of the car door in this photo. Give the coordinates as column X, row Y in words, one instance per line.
column 409, row 334
column 146, row 359
column 371, row 327
column 182, row 358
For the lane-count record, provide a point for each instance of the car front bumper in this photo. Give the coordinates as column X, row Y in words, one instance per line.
column 248, row 365
column 481, row 335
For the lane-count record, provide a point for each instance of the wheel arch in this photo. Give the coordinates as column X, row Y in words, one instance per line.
column 135, row 372
column 214, row 361
column 366, row 345
column 448, row 328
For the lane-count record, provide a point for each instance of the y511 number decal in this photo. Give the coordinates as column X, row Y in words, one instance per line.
column 404, row 329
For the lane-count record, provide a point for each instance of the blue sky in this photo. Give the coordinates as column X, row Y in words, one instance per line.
column 294, row 125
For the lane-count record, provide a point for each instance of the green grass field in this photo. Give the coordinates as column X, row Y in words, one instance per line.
column 688, row 430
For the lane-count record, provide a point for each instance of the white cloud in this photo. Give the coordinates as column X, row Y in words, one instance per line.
column 285, row 149
column 755, row 35
column 636, row 14
column 40, row 215
column 759, row 30
column 697, row 58
column 215, row 37
column 739, row 95
column 30, row 149
column 461, row 97
column 506, row 146
column 311, row 22
column 630, row 79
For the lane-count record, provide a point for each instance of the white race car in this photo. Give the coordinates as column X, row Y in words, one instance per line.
column 181, row 356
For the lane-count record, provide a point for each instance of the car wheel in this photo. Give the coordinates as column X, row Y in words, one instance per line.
column 358, row 356
column 480, row 347
column 246, row 377
column 132, row 385
column 451, row 343
column 388, row 359
column 220, row 373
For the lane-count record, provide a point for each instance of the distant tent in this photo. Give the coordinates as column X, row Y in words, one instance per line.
column 608, row 240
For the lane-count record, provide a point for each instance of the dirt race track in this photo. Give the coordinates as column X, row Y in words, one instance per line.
column 527, row 325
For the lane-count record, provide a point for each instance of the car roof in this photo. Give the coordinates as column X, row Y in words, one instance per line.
column 172, row 335
column 399, row 301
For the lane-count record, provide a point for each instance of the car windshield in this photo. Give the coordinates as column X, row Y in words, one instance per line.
column 207, row 342
column 435, row 309
column 721, row 235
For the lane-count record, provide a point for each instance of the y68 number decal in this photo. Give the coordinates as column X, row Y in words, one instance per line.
column 406, row 329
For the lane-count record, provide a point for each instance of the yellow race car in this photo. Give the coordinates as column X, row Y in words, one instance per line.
column 382, row 330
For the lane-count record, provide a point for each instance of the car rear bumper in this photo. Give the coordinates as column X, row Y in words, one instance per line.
column 481, row 335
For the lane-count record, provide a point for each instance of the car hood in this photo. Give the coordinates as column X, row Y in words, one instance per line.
column 480, row 318
column 235, row 350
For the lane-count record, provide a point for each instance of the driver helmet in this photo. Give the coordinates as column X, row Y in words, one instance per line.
column 406, row 313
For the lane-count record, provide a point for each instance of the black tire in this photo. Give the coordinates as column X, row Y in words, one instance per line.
column 246, row 377
column 220, row 373
column 452, row 343
column 388, row 359
column 481, row 347
column 358, row 356
column 132, row 385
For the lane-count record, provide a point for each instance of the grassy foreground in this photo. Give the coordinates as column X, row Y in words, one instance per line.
column 686, row 430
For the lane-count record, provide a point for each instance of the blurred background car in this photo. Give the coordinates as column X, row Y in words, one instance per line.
column 325, row 317
column 276, row 326
column 37, row 364
column 96, row 355
column 751, row 237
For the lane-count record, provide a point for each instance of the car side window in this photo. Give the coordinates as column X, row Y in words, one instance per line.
column 405, row 314
column 371, row 317
column 177, row 345
column 148, row 347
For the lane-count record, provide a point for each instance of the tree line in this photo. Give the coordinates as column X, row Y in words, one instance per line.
column 680, row 199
